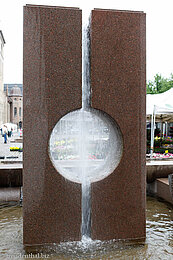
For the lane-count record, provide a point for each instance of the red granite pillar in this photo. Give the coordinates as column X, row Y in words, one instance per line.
column 52, row 88
column 119, row 89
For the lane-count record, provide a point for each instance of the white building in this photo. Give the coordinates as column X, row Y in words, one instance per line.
column 4, row 107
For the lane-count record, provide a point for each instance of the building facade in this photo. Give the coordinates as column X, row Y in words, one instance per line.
column 4, row 106
column 15, row 100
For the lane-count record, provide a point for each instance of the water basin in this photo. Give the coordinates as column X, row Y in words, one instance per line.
column 158, row 244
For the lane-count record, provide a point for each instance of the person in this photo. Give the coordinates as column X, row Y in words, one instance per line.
column 5, row 134
column 9, row 133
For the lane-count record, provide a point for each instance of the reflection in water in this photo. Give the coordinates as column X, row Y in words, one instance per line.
column 158, row 244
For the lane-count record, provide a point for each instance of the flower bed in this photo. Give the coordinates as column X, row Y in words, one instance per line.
column 16, row 149
column 162, row 155
column 161, row 145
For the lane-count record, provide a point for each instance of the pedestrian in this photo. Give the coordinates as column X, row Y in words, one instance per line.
column 9, row 133
column 5, row 131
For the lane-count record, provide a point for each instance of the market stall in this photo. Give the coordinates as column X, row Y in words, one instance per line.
column 159, row 109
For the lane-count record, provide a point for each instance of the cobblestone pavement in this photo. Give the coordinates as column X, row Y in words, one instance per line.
column 5, row 149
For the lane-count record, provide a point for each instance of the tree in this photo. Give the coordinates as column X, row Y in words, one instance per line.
column 159, row 85
column 150, row 87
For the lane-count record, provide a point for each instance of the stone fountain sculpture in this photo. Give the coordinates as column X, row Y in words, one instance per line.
column 112, row 133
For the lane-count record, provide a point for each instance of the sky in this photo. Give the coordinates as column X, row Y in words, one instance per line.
column 159, row 25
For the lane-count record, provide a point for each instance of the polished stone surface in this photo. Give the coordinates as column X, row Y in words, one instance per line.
column 52, row 88
column 119, row 89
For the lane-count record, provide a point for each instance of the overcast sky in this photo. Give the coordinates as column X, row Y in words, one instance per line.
column 159, row 31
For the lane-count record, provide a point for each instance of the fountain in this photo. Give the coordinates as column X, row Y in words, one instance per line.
column 80, row 174
column 85, row 145
column 52, row 200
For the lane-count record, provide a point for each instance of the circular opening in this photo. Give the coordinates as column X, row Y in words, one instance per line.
column 85, row 145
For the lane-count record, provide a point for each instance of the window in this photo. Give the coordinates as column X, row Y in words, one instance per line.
column 15, row 111
column 20, row 110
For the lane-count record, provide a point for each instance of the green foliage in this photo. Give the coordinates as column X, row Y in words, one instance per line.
column 159, row 85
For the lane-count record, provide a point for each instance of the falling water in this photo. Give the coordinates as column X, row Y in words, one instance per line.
column 86, row 103
column 86, row 210
column 86, row 88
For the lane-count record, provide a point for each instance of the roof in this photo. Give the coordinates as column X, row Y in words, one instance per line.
column 15, row 91
column 10, row 86
column 162, row 104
